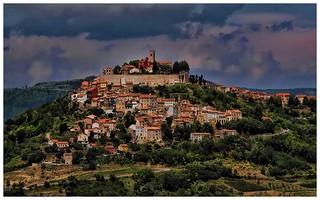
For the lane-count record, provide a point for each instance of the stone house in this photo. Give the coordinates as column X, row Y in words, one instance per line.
column 67, row 157
column 197, row 137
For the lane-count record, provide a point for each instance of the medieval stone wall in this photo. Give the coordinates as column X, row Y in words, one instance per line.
column 144, row 79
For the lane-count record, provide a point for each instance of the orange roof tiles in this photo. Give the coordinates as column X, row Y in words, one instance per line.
column 63, row 142
column 283, row 94
column 101, row 121
column 147, row 96
column 85, row 83
column 301, row 95
column 140, row 119
column 235, row 111
column 54, row 140
column 151, row 128
column 312, row 97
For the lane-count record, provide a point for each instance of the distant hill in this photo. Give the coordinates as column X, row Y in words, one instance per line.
column 292, row 91
column 18, row 100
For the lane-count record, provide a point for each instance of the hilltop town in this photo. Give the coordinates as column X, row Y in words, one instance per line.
column 159, row 124
column 113, row 92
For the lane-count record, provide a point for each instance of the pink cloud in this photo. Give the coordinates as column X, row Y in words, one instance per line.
column 295, row 49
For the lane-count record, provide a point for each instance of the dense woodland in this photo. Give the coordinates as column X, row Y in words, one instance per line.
column 18, row 100
column 283, row 146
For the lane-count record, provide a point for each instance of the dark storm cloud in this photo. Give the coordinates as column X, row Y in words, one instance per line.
column 228, row 46
column 307, row 12
column 105, row 22
column 217, row 14
column 284, row 25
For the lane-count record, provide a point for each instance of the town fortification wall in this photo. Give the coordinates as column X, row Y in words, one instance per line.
column 144, row 79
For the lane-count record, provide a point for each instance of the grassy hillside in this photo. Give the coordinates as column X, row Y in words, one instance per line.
column 254, row 162
column 18, row 100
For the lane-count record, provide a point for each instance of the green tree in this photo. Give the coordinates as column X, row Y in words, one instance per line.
column 184, row 65
column 290, row 101
column 258, row 112
column 155, row 67
column 63, row 128
column 91, row 154
column 95, row 111
column 207, row 127
column 46, row 184
column 296, row 102
column 165, row 69
column 143, row 176
column 134, row 63
column 167, row 134
column 169, row 120
column 129, row 119
column 117, row 69
column 20, row 135
column 99, row 177
column 218, row 125
column 77, row 156
column 36, row 157
column 176, row 67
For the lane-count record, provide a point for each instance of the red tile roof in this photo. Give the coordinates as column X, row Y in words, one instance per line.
column 101, row 121
column 54, row 140
column 85, row 83
column 150, row 128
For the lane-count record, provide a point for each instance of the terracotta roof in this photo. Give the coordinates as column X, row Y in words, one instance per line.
column 188, row 110
column 235, row 111
column 301, row 95
column 63, row 142
column 85, row 83
column 101, row 121
column 152, row 128
column 147, row 96
column 283, row 94
column 140, row 119
column 54, row 140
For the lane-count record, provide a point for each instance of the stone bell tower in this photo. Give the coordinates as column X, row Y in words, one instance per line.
column 152, row 56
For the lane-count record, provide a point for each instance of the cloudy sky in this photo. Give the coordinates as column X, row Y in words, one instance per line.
column 248, row 45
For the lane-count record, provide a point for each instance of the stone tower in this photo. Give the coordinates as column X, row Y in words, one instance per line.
column 67, row 158
column 152, row 56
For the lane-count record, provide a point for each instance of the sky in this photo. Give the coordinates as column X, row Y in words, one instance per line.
column 246, row 45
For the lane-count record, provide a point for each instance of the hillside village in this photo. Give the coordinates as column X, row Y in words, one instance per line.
column 114, row 94
column 161, row 121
